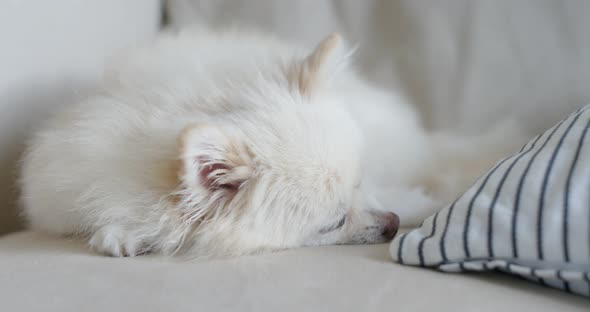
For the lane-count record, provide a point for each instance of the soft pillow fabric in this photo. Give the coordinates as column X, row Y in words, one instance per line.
column 529, row 216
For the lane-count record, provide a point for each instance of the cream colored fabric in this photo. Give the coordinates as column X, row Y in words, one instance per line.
column 44, row 274
column 465, row 63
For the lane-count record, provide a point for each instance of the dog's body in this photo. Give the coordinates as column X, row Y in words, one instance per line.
column 231, row 143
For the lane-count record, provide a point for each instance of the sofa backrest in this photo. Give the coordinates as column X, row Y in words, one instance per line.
column 465, row 63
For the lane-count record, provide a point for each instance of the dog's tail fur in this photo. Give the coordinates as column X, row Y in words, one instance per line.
column 459, row 160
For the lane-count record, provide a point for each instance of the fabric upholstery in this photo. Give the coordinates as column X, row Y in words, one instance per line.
column 45, row 274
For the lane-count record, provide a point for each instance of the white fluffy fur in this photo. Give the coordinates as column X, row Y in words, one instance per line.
column 232, row 142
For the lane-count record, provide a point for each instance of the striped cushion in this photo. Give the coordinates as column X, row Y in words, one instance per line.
column 529, row 216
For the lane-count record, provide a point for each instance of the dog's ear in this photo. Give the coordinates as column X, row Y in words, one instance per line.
column 213, row 159
column 307, row 75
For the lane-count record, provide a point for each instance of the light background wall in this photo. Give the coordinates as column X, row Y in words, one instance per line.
column 50, row 52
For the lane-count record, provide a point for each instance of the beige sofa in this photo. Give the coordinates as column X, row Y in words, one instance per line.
column 464, row 63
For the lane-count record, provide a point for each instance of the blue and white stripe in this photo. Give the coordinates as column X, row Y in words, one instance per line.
column 529, row 216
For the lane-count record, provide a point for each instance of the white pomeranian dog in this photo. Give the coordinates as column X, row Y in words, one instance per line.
column 228, row 143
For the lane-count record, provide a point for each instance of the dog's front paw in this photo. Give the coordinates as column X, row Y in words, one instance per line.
column 114, row 241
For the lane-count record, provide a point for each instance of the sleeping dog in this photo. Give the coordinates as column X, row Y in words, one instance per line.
column 226, row 143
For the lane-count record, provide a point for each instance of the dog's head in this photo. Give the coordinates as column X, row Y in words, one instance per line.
column 283, row 174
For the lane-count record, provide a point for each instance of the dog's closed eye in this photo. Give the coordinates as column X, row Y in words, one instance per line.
column 334, row 226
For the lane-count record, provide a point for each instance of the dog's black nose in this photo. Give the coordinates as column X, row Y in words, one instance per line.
column 391, row 225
